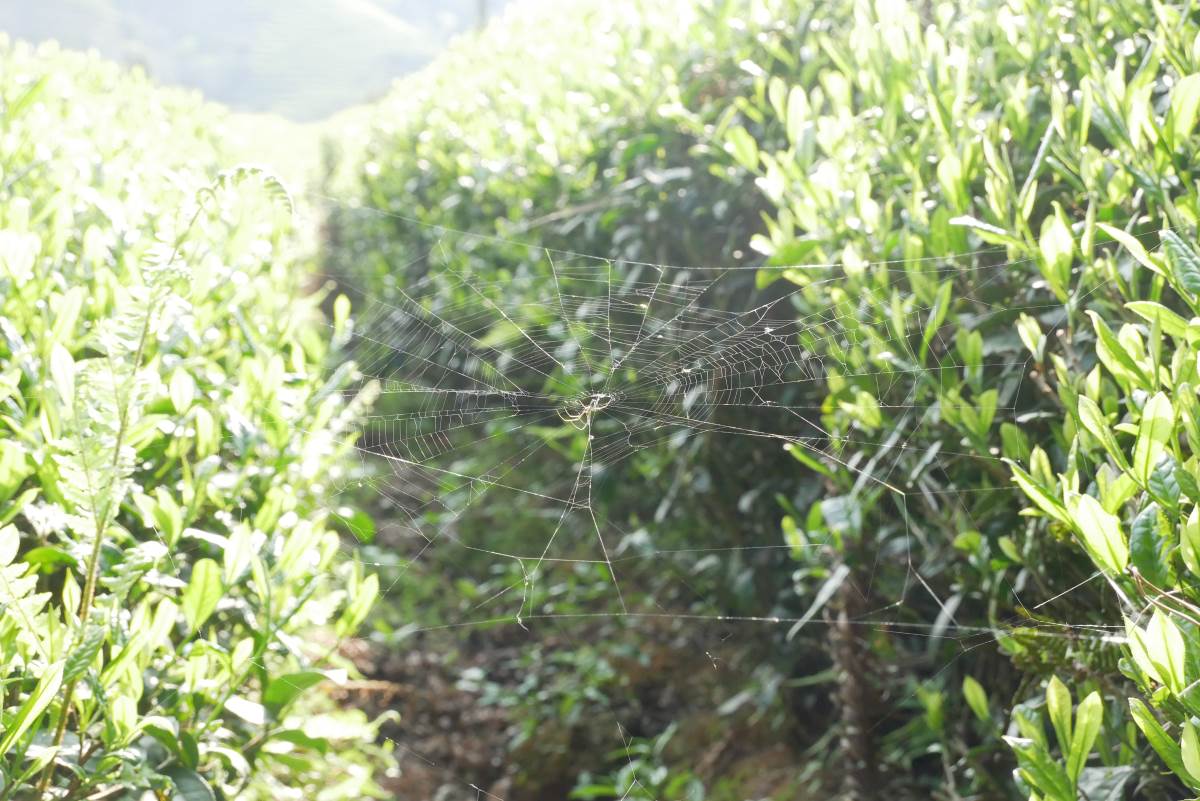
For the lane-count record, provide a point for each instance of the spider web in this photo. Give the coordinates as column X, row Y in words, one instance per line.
column 527, row 388
column 623, row 356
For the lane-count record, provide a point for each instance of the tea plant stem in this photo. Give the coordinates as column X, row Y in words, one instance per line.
column 93, row 569
column 101, row 518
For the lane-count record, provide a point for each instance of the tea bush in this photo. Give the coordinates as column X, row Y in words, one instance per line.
column 980, row 187
column 920, row 143
column 170, row 441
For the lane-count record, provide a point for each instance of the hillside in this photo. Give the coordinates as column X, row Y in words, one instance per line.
column 303, row 59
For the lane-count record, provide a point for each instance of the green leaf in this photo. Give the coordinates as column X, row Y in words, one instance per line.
column 163, row 729
column 1185, row 101
column 1014, row 443
column 82, row 656
column 976, row 698
column 797, row 113
column 987, row 231
column 237, row 554
column 189, row 785
column 1189, row 541
column 1058, row 704
column 301, row 738
column 189, row 749
column 1185, row 264
column 202, row 593
column 1046, row 775
column 182, row 389
column 1154, row 432
column 1030, row 332
column 1167, row 650
column 937, row 316
column 742, row 146
column 1088, row 718
column 1114, row 356
column 1148, row 549
column 1096, row 424
column 1187, row 484
column 14, row 468
column 10, row 542
column 801, row 455
column 1189, row 748
column 1100, row 531
column 49, row 556
column 1152, row 312
column 341, row 314
column 356, row 523
column 35, row 704
column 1135, row 248
column 247, row 710
column 284, row 689
column 62, row 374
column 17, row 107
column 1160, row 741
column 1057, row 246
column 360, row 604
column 1042, row 499
column 1164, row 486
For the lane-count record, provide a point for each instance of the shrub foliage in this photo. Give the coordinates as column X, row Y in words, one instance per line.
column 169, row 442
column 985, row 216
column 1000, row 200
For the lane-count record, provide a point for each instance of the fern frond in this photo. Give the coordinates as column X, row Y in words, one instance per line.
column 233, row 178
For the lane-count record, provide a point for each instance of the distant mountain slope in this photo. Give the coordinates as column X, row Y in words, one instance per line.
column 303, row 59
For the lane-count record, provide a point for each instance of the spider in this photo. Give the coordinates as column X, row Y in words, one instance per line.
column 578, row 411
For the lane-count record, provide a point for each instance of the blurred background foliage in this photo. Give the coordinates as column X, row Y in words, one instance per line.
column 969, row 208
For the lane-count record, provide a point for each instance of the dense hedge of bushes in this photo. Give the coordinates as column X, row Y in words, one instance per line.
column 1062, row 136
column 985, row 185
column 169, row 442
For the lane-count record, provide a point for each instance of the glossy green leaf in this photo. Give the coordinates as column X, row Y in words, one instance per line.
column 1189, row 541
column 1149, row 547
column 1160, row 741
column 1185, row 102
column 189, row 785
column 1134, row 247
column 1154, row 435
column 1045, row 774
column 976, row 698
column 1088, row 718
column 1058, row 705
column 1189, row 749
column 1114, row 356
column 1100, row 531
column 202, row 594
column 40, row 698
column 1185, row 263
column 1167, row 650
column 1044, row 500
column 284, row 689
column 83, row 654
column 1171, row 322
column 797, row 113
column 1096, row 424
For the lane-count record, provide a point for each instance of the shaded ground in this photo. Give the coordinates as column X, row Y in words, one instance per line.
column 453, row 740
